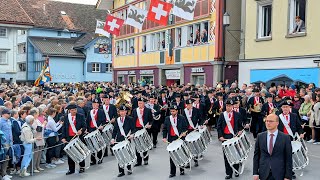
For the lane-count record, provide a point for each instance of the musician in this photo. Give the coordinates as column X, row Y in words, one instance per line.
column 164, row 104
column 124, row 126
column 209, row 102
column 155, row 127
column 137, row 95
column 95, row 120
column 175, row 125
column 74, row 124
column 185, row 97
column 197, row 104
column 273, row 153
column 111, row 114
column 237, row 108
column 194, row 120
column 229, row 125
column 218, row 106
column 255, row 105
column 180, row 103
column 268, row 107
column 142, row 118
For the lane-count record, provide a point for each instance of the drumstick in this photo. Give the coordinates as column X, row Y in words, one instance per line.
column 181, row 134
column 238, row 133
column 75, row 135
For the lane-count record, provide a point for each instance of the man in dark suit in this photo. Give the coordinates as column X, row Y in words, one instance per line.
column 229, row 125
column 180, row 103
column 96, row 120
column 244, row 118
column 273, row 153
column 142, row 118
column 255, row 105
column 197, row 104
column 2, row 94
column 170, row 132
column 74, row 124
column 155, row 127
column 27, row 97
column 163, row 101
column 125, row 123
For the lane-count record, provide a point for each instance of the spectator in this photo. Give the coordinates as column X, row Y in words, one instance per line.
column 315, row 121
column 299, row 25
column 16, row 132
column 132, row 49
column 28, row 139
column 305, row 106
column 197, row 39
column 8, row 105
column 285, row 92
column 163, row 43
column 6, row 128
column 204, row 36
column 296, row 102
column 2, row 94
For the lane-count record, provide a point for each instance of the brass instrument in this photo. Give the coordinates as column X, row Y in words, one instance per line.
column 153, row 112
column 124, row 98
column 273, row 111
column 257, row 108
column 210, row 110
column 163, row 107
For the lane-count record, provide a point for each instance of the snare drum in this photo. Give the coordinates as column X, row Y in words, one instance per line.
column 205, row 135
column 107, row 133
column 179, row 153
column 245, row 142
column 95, row 141
column 142, row 141
column 77, row 150
column 124, row 153
column 195, row 143
column 299, row 157
column 234, row 151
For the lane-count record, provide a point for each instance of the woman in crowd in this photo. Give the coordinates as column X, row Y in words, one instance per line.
column 51, row 132
column 28, row 139
column 305, row 107
column 296, row 102
column 315, row 120
column 39, row 145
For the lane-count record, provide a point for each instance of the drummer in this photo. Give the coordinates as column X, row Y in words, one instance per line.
column 193, row 118
column 95, row 120
column 74, row 124
column 123, row 127
column 143, row 119
column 229, row 125
column 175, row 125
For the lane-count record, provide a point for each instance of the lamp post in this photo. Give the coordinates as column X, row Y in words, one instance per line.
column 226, row 23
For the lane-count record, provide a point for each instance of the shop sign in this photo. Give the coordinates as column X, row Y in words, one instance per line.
column 146, row 71
column 63, row 76
column 122, row 72
column 173, row 74
column 132, row 72
column 197, row 70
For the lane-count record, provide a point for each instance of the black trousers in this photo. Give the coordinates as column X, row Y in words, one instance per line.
column 121, row 170
column 139, row 158
column 93, row 158
column 173, row 168
column 72, row 164
column 154, row 134
column 229, row 170
column 270, row 177
column 256, row 123
column 51, row 141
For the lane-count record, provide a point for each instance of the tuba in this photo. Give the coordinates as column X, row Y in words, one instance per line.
column 124, row 98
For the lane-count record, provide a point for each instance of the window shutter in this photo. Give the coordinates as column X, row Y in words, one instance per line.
column 103, row 67
column 161, row 57
column 177, row 55
column 89, row 67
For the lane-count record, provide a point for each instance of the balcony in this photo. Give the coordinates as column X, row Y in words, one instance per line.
column 195, row 53
column 21, row 39
column 21, row 57
column 123, row 61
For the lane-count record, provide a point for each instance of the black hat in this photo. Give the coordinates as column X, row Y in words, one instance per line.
column 189, row 101
column 195, row 96
column 106, row 96
column 230, row 101
column 286, row 103
column 2, row 91
column 236, row 99
column 288, row 98
column 185, row 94
column 174, row 106
column 210, row 92
column 142, row 99
column 71, row 106
column 5, row 111
column 255, row 90
column 195, row 89
column 269, row 95
column 140, row 92
column 219, row 94
column 162, row 91
column 123, row 108
column 178, row 95
column 95, row 100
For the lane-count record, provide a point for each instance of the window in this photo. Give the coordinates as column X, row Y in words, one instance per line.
column 265, row 20
column 39, row 65
column 95, row 67
column 3, row 57
column 125, row 47
column 198, row 79
column 109, row 67
column 3, row 32
column 192, row 35
column 22, row 67
column 297, row 17
column 22, row 48
column 178, row 39
column 144, row 44
column 59, row 33
column 21, row 32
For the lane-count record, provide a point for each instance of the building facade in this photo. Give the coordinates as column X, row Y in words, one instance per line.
column 280, row 42
column 164, row 55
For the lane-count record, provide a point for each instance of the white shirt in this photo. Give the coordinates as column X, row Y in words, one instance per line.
column 274, row 138
column 52, row 125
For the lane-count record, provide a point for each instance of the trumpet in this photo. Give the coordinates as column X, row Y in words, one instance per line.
column 163, row 107
column 210, row 110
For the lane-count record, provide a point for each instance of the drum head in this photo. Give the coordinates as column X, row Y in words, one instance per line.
column 139, row 133
column 71, row 143
column 230, row 141
column 193, row 136
column 203, row 129
column 120, row 145
column 174, row 145
column 107, row 127
column 296, row 145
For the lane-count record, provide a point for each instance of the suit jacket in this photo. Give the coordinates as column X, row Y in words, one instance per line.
column 202, row 111
column 101, row 120
column 112, row 112
column 208, row 104
column 295, row 124
column 244, row 117
column 195, row 118
column 147, row 116
column 222, row 124
column 216, row 107
column 181, row 107
column 128, row 126
column 1, row 101
column 266, row 109
column 280, row 162
column 80, row 124
column 134, row 102
column 182, row 126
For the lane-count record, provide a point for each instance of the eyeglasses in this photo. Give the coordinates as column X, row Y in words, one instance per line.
column 270, row 121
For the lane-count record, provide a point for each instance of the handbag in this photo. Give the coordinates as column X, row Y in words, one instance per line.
column 39, row 129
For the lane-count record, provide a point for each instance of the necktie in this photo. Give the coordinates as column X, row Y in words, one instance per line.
column 271, row 144
column 287, row 118
column 73, row 119
column 229, row 115
column 141, row 111
column 122, row 119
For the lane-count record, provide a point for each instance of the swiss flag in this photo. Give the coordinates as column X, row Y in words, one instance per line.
column 159, row 12
column 113, row 25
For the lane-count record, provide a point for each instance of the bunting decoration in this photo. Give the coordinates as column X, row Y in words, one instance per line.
column 136, row 17
column 159, row 12
column 99, row 29
column 113, row 25
column 184, row 9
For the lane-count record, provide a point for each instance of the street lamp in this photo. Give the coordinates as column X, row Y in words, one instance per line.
column 226, row 19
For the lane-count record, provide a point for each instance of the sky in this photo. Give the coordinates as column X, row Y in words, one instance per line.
column 92, row 2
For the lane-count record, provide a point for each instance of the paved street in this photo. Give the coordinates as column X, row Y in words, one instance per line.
column 211, row 167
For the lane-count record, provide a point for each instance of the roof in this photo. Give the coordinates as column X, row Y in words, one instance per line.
column 84, row 40
column 11, row 12
column 102, row 4
column 47, row 14
column 56, row 47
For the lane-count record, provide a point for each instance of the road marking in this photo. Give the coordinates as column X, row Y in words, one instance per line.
column 314, row 156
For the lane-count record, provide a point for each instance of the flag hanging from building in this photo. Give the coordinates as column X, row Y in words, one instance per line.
column 113, row 25
column 184, row 9
column 45, row 75
column 159, row 12
column 99, row 29
column 136, row 17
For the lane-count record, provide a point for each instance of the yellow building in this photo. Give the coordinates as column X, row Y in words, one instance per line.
column 280, row 42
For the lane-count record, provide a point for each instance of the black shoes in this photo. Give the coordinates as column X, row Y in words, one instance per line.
column 294, row 176
column 136, row 165
column 121, row 174
column 236, row 175
column 146, row 163
column 81, row 170
column 92, row 164
column 181, row 173
column 228, row 177
column 154, row 146
column 129, row 172
column 196, row 164
column 100, row 162
column 172, row 175
column 70, row 172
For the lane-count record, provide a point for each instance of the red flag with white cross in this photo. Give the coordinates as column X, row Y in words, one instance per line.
column 113, row 25
column 159, row 12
